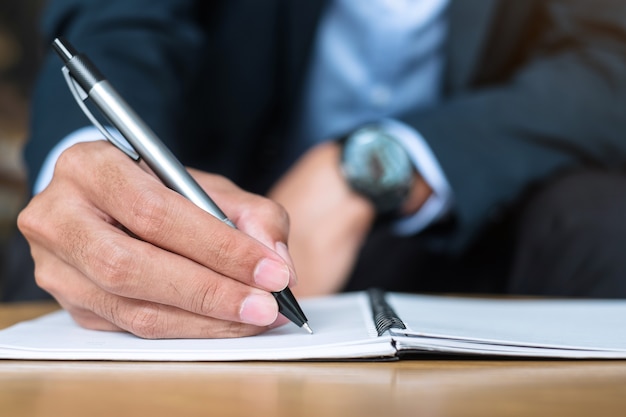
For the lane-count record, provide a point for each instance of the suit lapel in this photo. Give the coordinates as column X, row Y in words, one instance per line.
column 469, row 23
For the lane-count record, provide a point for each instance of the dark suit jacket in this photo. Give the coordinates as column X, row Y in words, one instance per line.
column 532, row 88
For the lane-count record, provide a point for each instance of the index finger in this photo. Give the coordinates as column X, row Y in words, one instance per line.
column 158, row 215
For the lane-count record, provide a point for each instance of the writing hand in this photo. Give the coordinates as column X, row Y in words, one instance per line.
column 120, row 251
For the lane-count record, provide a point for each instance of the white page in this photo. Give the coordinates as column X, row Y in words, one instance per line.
column 571, row 324
column 343, row 328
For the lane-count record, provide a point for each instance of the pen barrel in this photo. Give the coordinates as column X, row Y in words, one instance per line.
column 151, row 149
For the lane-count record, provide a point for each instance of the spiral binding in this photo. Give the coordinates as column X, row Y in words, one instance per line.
column 385, row 317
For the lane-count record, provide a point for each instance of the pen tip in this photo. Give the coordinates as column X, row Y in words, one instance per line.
column 307, row 328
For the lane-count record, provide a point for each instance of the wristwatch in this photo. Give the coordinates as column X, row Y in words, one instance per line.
column 376, row 165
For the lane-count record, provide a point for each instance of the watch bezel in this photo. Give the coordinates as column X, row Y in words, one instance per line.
column 387, row 190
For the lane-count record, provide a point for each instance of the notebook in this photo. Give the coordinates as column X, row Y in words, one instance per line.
column 371, row 325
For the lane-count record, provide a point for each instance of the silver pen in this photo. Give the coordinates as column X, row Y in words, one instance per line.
column 86, row 82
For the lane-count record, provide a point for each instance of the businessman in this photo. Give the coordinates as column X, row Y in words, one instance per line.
column 481, row 116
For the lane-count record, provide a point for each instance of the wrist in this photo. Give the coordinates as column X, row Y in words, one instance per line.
column 359, row 207
column 419, row 193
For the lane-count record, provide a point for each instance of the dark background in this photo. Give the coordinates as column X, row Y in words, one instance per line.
column 20, row 53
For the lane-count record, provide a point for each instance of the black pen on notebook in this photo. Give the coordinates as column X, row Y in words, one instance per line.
column 86, row 82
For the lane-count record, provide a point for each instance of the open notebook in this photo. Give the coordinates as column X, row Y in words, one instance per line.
column 363, row 325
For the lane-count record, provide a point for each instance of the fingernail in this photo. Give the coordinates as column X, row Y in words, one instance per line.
column 283, row 251
column 259, row 310
column 271, row 275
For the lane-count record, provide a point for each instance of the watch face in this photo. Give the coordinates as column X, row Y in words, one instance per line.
column 376, row 165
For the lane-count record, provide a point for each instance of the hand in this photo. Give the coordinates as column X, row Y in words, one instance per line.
column 329, row 221
column 120, row 251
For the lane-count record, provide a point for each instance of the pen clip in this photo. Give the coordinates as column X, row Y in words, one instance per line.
column 80, row 96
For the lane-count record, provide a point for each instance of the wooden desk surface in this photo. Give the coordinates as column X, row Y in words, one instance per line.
column 411, row 388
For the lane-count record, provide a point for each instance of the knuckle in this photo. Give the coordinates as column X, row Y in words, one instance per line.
column 150, row 212
column 269, row 209
column 44, row 280
column 282, row 215
column 69, row 162
column 65, row 161
column 145, row 321
column 208, row 300
column 28, row 221
column 114, row 264
column 222, row 252
column 35, row 218
column 274, row 209
column 227, row 254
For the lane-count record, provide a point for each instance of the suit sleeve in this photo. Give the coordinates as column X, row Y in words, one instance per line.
column 147, row 49
column 563, row 108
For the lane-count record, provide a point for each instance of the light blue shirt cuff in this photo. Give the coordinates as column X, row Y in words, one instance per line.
column 440, row 201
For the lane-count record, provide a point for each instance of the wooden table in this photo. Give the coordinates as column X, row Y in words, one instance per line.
column 411, row 388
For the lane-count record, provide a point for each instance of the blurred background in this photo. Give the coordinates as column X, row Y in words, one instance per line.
column 20, row 53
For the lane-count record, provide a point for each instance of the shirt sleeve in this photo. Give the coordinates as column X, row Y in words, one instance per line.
column 440, row 201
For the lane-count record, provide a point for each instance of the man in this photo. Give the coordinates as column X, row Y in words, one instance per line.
column 464, row 106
